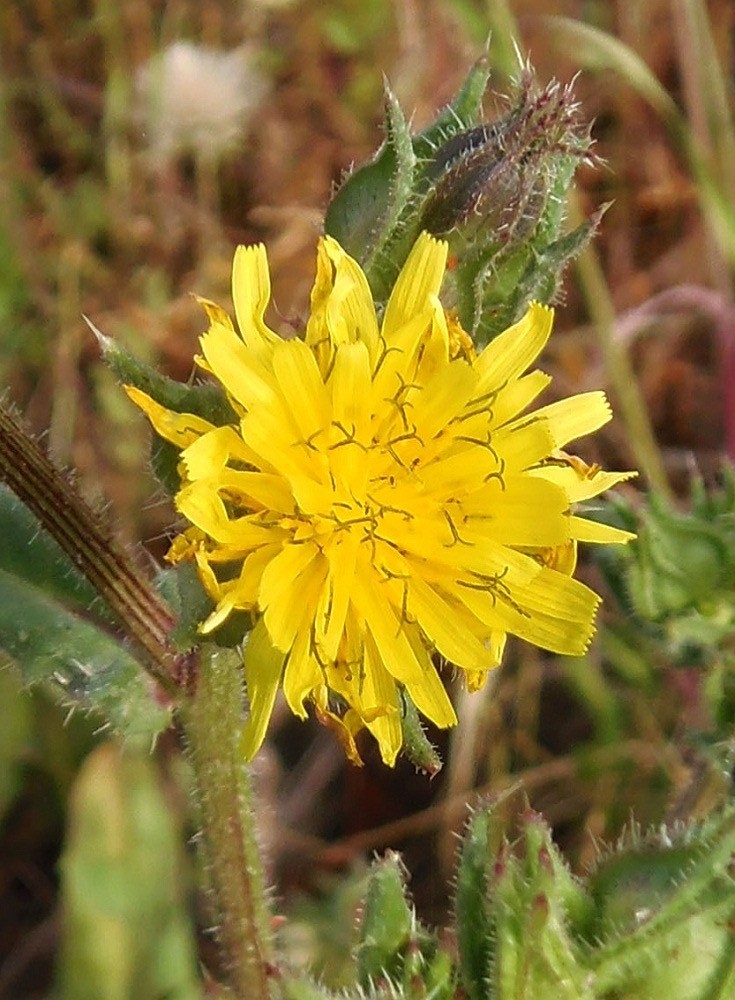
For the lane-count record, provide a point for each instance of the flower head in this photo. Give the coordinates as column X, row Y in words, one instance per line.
column 383, row 498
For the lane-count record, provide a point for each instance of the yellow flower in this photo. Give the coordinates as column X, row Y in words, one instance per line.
column 382, row 498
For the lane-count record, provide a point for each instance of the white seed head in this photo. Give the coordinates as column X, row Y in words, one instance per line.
column 198, row 100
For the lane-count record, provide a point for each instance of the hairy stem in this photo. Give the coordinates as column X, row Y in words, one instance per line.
column 212, row 721
column 145, row 617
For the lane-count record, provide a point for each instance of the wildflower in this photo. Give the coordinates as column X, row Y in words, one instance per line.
column 382, row 498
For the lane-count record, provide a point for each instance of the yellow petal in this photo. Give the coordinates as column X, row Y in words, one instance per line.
column 220, row 614
column 244, row 374
column 260, row 490
column 301, row 676
column 332, row 612
column 517, row 396
column 442, row 398
column 215, row 313
column 289, row 589
column 186, row 545
column 350, row 431
column 395, row 367
column 459, row 473
column 580, row 484
column 584, row 530
column 344, row 729
column 495, row 644
column 277, row 447
column 263, row 665
column 201, row 505
column 251, row 292
column 428, row 694
column 210, row 452
column 576, row 416
column 304, row 393
column 562, row 558
column 342, row 310
column 552, row 611
column 509, row 355
column 443, row 625
column 417, row 285
column 523, row 442
column 391, row 643
column 435, row 346
column 519, row 511
column 181, row 429
column 349, row 385
column 371, row 692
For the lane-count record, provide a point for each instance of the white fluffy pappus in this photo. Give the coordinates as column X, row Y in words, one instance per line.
column 198, row 100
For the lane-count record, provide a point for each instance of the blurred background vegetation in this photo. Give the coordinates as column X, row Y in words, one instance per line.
column 139, row 142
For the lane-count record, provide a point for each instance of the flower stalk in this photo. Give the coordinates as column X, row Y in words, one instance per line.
column 143, row 614
column 212, row 721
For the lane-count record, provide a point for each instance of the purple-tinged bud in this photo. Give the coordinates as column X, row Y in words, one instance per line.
column 494, row 180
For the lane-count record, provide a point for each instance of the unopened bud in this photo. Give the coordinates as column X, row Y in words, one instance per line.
column 493, row 181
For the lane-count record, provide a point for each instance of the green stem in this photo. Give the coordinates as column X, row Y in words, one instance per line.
column 212, row 721
column 143, row 614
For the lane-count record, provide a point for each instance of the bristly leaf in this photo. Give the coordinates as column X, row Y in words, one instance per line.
column 31, row 554
column 366, row 209
column 665, row 909
column 514, row 906
column 499, row 198
column 464, row 111
column 495, row 191
column 57, row 631
column 475, row 931
column 82, row 663
column 204, row 399
column 387, row 922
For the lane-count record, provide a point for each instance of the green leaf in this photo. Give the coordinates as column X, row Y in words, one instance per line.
column 474, row 924
column 513, row 914
column 53, row 625
column 387, row 921
column 84, row 664
column 126, row 932
column 205, row 399
column 375, row 213
column 531, row 898
column 305, row 989
column 665, row 906
column 364, row 212
column 31, row 554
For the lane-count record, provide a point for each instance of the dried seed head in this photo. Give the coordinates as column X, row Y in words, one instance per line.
column 198, row 100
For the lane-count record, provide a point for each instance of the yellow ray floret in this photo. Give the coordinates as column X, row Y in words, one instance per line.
column 383, row 501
